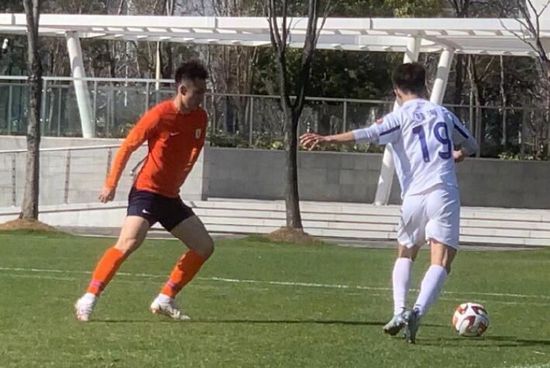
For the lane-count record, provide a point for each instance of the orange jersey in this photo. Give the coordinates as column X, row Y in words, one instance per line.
column 175, row 141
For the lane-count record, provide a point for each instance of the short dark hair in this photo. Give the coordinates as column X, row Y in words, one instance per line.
column 190, row 70
column 410, row 78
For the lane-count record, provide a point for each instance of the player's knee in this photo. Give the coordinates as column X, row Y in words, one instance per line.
column 407, row 252
column 442, row 263
column 447, row 266
column 127, row 245
column 210, row 250
column 206, row 248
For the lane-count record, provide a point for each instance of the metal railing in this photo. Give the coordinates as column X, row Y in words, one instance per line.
column 67, row 174
column 234, row 120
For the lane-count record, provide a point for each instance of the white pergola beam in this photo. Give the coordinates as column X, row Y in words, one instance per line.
column 466, row 35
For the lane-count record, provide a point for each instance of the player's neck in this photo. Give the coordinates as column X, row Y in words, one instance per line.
column 409, row 97
column 180, row 106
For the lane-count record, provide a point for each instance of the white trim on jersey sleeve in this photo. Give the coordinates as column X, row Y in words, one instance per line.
column 388, row 131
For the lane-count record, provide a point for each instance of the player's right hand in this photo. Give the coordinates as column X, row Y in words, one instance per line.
column 311, row 140
column 107, row 194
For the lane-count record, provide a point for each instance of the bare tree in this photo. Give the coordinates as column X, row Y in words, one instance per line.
column 232, row 69
column 292, row 109
column 29, row 209
column 530, row 18
column 461, row 9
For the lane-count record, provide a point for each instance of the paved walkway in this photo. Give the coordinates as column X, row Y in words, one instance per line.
column 354, row 243
column 353, row 224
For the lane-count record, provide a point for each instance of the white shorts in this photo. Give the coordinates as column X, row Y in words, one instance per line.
column 434, row 214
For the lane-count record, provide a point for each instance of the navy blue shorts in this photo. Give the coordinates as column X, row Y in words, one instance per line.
column 157, row 208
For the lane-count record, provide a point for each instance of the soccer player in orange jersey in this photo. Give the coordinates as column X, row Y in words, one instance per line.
column 175, row 132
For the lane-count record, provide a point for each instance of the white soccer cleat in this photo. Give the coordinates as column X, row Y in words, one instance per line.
column 396, row 323
column 413, row 322
column 84, row 307
column 168, row 307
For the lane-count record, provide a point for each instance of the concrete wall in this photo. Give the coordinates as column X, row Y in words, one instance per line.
column 500, row 183
column 352, row 177
column 259, row 174
column 86, row 172
column 324, row 176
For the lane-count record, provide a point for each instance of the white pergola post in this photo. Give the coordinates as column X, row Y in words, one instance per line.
column 442, row 76
column 80, row 86
column 385, row 179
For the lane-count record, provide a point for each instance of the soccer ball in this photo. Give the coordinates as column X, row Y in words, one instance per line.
column 470, row 319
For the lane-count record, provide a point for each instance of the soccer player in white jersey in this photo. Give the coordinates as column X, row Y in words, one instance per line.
column 426, row 139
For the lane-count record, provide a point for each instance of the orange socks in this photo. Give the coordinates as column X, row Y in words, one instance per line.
column 105, row 270
column 186, row 268
column 184, row 271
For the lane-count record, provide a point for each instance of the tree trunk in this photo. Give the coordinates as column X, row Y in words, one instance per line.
column 504, row 101
column 475, row 112
column 546, row 86
column 523, row 129
column 292, row 198
column 459, row 79
column 29, row 208
column 461, row 9
column 293, row 110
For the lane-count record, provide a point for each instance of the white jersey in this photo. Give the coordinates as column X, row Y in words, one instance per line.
column 423, row 136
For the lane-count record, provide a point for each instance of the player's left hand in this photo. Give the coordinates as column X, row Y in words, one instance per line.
column 458, row 155
column 107, row 194
column 312, row 140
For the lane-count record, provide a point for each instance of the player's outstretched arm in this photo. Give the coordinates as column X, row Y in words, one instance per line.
column 312, row 140
column 387, row 127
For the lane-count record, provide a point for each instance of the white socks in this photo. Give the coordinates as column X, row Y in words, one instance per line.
column 164, row 298
column 401, row 278
column 89, row 297
column 430, row 288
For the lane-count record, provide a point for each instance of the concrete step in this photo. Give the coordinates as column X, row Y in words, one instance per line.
column 345, row 220
column 524, row 228
column 373, row 234
column 281, row 215
column 277, row 208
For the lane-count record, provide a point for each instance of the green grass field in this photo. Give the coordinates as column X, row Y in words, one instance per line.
column 257, row 304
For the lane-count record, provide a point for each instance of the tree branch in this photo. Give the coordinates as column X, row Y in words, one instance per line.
column 312, row 36
column 280, row 43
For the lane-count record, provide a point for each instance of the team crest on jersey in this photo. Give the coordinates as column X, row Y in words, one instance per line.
column 198, row 133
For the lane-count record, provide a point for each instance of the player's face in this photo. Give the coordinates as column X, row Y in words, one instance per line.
column 192, row 93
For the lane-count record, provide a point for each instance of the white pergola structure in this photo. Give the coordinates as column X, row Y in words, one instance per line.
column 446, row 36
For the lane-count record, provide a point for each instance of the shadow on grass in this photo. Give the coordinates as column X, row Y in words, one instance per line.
column 486, row 341
column 246, row 321
column 514, row 341
column 289, row 321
